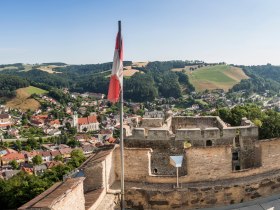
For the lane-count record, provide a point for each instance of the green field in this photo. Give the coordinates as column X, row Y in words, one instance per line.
column 31, row 90
column 216, row 77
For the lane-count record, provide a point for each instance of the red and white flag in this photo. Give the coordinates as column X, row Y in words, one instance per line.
column 116, row 81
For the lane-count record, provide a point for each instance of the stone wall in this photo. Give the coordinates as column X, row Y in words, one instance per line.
column 208, row 163
column 99, row 171
column 203, row 195
column 136, row 165
column 151, row 122
column 195, row 122
column 60, row 196
column 75, row 199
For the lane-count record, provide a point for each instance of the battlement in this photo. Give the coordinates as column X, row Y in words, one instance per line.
column 196, row 130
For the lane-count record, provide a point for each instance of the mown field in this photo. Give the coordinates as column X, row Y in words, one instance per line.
column 216, row 77
column 23, row 100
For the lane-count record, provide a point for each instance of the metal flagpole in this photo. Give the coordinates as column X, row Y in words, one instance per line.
column 121, row 131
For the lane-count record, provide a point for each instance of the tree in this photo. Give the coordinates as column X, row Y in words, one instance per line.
column 32, row 143
column 37, row 160
column 18, row 145
column 77, row 158
column 58, row 158
column 14, row 164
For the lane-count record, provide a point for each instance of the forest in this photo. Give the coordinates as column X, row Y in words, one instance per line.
column 154, row 80
column 262, row 78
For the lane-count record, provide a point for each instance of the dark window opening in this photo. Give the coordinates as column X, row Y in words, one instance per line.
column 208, row 143
column 235, row 156
column 237, row 142
column 155, row 171
column 237, row 168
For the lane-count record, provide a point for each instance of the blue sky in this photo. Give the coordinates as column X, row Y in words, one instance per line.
column 83, row 31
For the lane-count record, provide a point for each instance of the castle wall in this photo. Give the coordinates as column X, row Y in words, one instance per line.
column 75, row 199
column 270, row 154
column 204, row 194
column 136, row 165
column 152, row 122
column 208, row 163
column 99, row 171
column 195, row 122
column 158, row 134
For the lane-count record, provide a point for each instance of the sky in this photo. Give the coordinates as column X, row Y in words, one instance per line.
column 83, row 31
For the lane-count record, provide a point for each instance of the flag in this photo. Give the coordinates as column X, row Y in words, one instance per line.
column 116, row 81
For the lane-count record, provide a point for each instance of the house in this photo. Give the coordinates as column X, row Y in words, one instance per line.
column 66, row 152
column 46, row 155
column 39, row 169
column 4, row 118
column 38, row 120
column 13, row 132
column 55, row 153
column 83, row 124
column 54, row 123
column 9, row 174
column 52, row 164
column 105, row 135
column 53, row 132
column 5, row 121
column 87, row 149
column 6, row 159
column 54, row 146
column 30, row 155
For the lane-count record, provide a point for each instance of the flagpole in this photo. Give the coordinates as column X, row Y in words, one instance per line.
column 121, row 132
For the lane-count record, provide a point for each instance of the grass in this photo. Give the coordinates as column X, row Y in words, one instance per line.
column 216, row 77
column 34, row 90
column 23, row 101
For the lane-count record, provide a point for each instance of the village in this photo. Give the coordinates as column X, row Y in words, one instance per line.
column 34, row 141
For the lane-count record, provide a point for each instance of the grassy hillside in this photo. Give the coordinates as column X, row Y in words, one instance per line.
column 23, row 100
column 216, row 77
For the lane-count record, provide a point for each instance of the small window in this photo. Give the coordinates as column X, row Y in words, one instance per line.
column 237, row 142
column 208, row 143
column 237, row 168
column 155, row 171
column 235, row 156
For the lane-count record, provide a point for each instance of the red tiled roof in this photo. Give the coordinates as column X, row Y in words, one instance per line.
column 87, row 120
column 13, row 156
column 55, row 153
column 111, row 140
column 4, row 116
column 45, row 153
column 40, row 116
column 32, row 154
column 65, row 151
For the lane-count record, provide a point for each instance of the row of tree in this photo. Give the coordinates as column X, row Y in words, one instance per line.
column 268, row 121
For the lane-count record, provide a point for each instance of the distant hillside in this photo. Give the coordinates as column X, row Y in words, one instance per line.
column 22, row 99
column 8, row 85
column 263, row 78
column 216, row 77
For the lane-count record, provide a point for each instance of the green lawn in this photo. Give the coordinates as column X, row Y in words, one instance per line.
column 213, row 73
column 31, row 90
column 215, row 77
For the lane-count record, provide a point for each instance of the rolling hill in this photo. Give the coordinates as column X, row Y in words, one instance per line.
column 23, row 101
column 216, row 77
